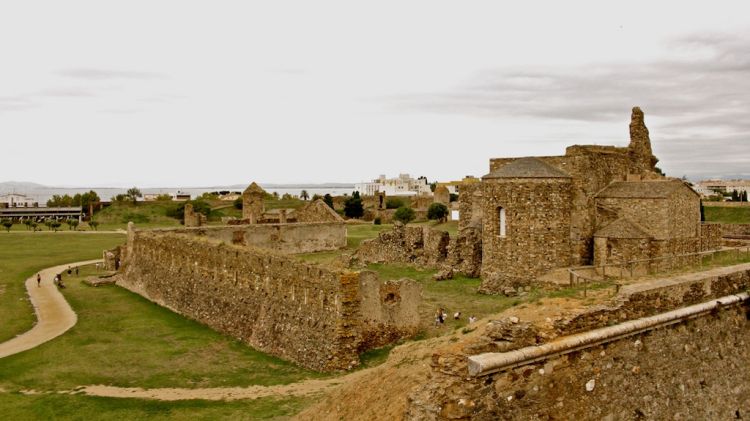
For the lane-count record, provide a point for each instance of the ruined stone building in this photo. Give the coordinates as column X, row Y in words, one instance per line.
column 244, row 280
column 536, row 214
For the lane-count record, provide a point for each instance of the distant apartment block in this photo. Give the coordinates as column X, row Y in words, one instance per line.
column 403, row 185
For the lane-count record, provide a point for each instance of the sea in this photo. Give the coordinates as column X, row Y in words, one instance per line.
column 42, row 194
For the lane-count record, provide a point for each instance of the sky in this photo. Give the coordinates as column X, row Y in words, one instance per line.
column 183, row 93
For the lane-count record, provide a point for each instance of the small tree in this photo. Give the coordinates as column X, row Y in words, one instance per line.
column 404, row 215
column 72, row 224
column 303, row 195
column 93, row 224
column 27, row 222
column 353, row 207
column 55, row 224
column 437, row 212
column 133, row 194
column 33, row 225
column 238, row 203
column 7, row 223
column 328, row 199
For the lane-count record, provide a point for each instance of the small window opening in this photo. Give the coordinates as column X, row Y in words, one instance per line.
column 501, row 221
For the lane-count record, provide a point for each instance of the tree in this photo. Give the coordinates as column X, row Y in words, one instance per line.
column 735, row 196
column 72, row 223
column 164, row 197
column 33, row 225
column 437, row 212
column 238, row 203
column 27, row 222
column 404, row 215
column 328, row 199
column 303, row 195
column 353, row 207
column 7, row 223
column 133, row 194
column 54, row 225
column 93, row 224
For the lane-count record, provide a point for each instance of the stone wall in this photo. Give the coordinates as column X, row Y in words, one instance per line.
column 710, row 236
column 389, row 309
column 694, row 369
column 284, row 238
column 537, row 232
column 735, row 230
column 301, row 312
column 406, row 244
column 470, row 206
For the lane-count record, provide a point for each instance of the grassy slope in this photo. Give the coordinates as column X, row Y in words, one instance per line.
column 23, row 254
column 727, row 215
column 144, row 215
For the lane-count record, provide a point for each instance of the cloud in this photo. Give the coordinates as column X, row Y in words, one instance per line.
column 699, row 91
column 67, row 92
column 102, row 74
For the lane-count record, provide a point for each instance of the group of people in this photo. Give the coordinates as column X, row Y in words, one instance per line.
column 441, row 316
column 58, row 278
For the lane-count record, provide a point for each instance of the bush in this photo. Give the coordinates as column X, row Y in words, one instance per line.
column 404, row 215
column 394, row 203
column 437, row 211
column 238, row 202
column 377, row 220
column 328, row 199
column 7, row 223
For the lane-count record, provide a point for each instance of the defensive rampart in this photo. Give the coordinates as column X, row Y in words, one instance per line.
column 301, row 312
column 694, row 367
column 284, row 238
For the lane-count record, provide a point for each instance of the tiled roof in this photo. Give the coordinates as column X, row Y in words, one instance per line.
column 653, row 189
column 529, row 167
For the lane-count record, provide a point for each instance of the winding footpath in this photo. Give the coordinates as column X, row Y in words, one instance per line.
column 53, row 313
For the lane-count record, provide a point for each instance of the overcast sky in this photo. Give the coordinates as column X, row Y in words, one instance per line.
column 179, row 93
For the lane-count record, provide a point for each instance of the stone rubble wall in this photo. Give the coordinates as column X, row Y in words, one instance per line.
column 694, row 369
column 735, row 229
column 537, row 234
column 317, row 211
column 711, row 236
column 300, row 312
column 288, row 238
column 389, row 309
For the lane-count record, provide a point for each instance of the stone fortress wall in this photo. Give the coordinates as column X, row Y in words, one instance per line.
column 287, row 238
column 695, row 368
column 317, row 317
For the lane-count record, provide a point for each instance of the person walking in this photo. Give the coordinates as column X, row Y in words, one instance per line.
column 38, row 280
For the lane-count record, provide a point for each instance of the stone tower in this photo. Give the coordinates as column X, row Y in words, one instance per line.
column 526, row 225
column 641, row 156
column 442, row 195
column 252, row 203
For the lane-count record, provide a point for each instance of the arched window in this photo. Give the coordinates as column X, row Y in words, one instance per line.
column 501, row 221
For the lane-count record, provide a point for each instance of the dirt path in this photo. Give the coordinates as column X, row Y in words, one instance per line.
column 54, row 315
column 304, row 388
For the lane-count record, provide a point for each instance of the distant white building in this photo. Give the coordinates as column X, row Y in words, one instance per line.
column 722, row 186
column 16, row 200
column 403, row 185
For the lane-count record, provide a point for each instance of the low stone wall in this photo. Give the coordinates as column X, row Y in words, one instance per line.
column 301, row 312
column 729, row 230
column 283, row 238
column 406, row 244
column 694, row 369
column 389, row 309
column 711, row 236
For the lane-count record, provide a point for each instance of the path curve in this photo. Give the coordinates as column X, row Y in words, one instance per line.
column 53, row 313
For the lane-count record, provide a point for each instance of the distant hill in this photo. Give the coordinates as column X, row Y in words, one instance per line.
column 20, row 186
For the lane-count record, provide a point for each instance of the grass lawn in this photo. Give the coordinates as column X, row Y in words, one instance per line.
column 15, row 406
column 23, row 254
column 121, row 339
column 739, row 215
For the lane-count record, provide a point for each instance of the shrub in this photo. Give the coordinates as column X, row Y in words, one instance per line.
column 377, row 220
column 404, row 215
column 328, row 199
column 394, row 203
column 7, row 223
column 238, row 203
column 437, row 211
column 199, row 206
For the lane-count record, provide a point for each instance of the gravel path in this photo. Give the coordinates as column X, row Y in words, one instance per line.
column 53, row 313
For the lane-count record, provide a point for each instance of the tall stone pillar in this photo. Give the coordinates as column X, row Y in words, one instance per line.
column 252, row 203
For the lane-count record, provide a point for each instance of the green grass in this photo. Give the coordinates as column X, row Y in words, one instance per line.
column 144, row 215
column 121, row 339
column 23, row 254
column 125, row 340
column 15, row 406
column 457, row 294
column 451, row 226
column 727, row 215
